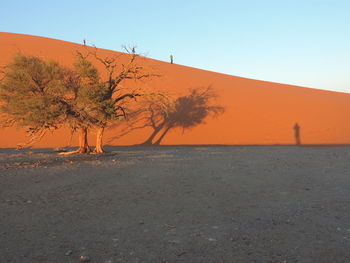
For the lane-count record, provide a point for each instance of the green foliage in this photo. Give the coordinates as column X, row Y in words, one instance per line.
column 93, row 96
column 30, row 93
column 41, row 95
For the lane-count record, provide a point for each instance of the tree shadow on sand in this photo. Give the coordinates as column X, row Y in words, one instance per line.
column 185, row 112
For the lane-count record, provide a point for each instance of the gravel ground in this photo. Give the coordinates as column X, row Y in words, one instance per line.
column 176, row 204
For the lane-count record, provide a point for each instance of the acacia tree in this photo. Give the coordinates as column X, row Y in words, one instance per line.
column 83, row 96
column 42, row 95
column 111, row 95
column 30, row 94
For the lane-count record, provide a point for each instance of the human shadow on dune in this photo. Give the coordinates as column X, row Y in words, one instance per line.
column 184, row 113
column 296, row 128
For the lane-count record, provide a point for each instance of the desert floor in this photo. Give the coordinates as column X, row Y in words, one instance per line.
column 176, row 204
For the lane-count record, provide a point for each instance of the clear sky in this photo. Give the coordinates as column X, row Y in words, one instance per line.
column 301, row 42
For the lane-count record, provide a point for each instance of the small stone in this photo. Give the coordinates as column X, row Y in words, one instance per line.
column 84, row 259
column 69, row 252
column 181, row 253
column 174, row 241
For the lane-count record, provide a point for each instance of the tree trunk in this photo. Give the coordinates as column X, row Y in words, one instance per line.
column 162, row 136
column 83, row 143
column 99, row 136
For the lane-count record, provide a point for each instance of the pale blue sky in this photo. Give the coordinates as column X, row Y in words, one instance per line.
column 301, row 42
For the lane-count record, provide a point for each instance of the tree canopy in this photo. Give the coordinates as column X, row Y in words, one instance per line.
column 30, row 94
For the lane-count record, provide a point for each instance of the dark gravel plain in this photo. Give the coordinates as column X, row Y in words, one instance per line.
column 176, row 204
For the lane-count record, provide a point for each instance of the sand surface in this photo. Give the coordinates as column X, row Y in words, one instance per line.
column 176, row 204
column 256, row 112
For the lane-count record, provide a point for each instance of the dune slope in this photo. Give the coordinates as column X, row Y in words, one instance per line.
column 256, row 112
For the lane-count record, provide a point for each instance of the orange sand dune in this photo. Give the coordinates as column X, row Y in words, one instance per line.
column 256, row 112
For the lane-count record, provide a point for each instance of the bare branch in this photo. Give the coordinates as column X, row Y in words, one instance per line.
column 34, row 138
column 129, row 95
